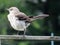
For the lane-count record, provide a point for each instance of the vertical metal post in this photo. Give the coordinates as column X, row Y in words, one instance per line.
column 0, row 41
column 52, row 42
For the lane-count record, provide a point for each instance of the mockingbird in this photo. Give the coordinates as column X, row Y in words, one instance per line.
column 19, row 20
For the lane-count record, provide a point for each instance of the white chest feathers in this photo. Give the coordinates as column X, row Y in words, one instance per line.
column 19, row 25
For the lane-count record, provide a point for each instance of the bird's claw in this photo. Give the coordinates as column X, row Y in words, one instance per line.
column 23, row 37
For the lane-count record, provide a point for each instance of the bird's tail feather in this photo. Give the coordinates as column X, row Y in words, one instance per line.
column 42, row 16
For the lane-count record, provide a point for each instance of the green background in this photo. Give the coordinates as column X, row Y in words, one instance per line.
column 39, row 27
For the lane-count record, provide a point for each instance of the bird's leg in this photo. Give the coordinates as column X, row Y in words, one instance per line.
column 18, row 33
column 24, row 33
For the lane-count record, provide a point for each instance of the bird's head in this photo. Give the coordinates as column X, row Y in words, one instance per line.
column 13, row 10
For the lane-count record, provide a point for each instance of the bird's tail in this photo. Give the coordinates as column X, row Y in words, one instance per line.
column 42, row 16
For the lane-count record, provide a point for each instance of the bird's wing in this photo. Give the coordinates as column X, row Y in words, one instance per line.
column 22, row 16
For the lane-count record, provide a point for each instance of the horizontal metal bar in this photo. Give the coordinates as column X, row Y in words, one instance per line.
column 26, row 37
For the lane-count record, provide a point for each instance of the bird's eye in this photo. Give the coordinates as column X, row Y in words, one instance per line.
column 11, row 9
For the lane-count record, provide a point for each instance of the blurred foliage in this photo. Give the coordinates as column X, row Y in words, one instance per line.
column 38, row 27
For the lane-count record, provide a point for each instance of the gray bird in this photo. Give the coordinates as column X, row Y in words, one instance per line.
column 19, row 20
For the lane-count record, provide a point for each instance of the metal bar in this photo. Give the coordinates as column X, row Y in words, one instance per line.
column 52, row 35
column 55, row 38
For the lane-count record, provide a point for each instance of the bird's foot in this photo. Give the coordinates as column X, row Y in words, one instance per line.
column 18, row 33
column 23, row 37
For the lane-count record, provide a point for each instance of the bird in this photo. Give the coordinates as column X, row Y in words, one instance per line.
column 20, row 21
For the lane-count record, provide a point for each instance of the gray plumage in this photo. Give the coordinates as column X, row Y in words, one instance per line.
column 19, row 20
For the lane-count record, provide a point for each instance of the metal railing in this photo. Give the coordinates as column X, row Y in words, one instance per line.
column 26, row 37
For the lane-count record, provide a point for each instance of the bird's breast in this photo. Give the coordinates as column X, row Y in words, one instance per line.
column 17, row 24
